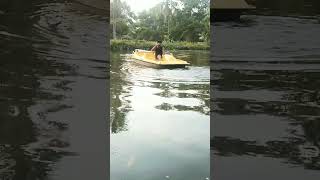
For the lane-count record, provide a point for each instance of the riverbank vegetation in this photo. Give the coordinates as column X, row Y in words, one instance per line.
column 181, row 24
column 122, row 44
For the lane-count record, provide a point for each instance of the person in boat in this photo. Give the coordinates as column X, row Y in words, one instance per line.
column 158, row 49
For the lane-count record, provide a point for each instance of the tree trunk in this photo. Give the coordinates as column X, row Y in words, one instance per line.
column 114, row 30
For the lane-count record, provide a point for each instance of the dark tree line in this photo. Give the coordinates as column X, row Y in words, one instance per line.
column 170, row 20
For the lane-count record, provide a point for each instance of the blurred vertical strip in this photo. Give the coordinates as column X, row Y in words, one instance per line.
column 54, row 90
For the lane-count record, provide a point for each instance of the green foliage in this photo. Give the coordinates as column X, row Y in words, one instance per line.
column 121, row 44
column 121, row 18
column 169, row 20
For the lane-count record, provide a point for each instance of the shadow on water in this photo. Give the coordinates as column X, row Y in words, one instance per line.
column 36, row 84
column 265, row 89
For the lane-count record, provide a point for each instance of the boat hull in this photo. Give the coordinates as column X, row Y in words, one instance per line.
column 159, row 66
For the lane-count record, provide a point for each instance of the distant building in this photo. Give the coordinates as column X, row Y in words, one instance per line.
column 228, row 9
column 99, row 4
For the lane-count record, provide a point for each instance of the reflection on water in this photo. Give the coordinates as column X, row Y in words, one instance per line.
column 40, row 67
column 266, row 111
column 160, row 119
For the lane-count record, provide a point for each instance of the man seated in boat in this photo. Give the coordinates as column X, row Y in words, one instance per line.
column 158, row 50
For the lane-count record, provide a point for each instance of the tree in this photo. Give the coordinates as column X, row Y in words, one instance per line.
column 170, row 20
column 121, row 16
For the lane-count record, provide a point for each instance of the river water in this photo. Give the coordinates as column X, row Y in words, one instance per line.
column 265, row 98
column 53, row 93
column 160, row 123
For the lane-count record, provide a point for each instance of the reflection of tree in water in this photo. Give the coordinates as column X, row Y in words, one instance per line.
column 299, row 104
column 294, row 150
column 29, row 142
column 196, row 58
column 194, row 89
column 120, row 90
column 202, row 94
column 119, row 105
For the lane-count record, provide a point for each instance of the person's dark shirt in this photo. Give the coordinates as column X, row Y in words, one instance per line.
column 158, row 50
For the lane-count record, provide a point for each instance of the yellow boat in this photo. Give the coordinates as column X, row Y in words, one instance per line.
column 148, row 58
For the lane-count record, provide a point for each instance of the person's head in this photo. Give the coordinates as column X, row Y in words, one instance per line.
column 159, row 42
